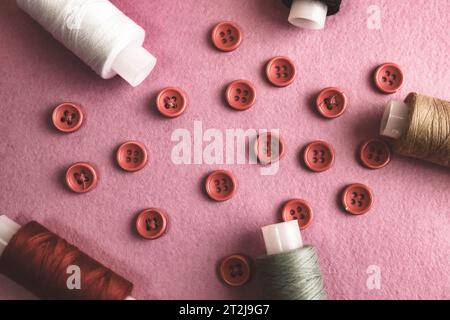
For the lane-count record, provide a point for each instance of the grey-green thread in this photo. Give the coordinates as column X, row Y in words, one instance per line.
column 294, row 275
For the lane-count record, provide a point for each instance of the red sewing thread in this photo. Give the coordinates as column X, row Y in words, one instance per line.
column 38, row 259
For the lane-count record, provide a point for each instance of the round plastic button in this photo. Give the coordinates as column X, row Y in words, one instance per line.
column 235, row 270
column 226, row 36
column 331, row 102
column 132, row 156
column 318, row 156
column 375, row 154
column 357, row 199
column 269, row 148
column 281, row 71
column 81, row 177
column 151, row 223
column 389, row 77
column 67, row 117
column 241, row 95
column 298, row 209
column 171, row 102
column 220, row 185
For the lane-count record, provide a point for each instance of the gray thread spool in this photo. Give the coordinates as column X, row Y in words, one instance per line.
column 289, row 271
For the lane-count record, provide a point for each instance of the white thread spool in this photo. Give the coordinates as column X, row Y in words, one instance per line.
column 98, row 33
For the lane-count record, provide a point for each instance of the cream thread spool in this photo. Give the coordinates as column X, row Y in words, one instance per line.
column 289, row 271
column 420, row 126
column 98, row 33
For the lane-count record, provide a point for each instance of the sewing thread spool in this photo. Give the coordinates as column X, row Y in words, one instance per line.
column 420, row 127
column 289, row 271
column 98, row 33
column 39, row 260
column 311, row 14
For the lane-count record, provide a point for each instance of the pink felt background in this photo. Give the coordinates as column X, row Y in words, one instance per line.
column 407, row 233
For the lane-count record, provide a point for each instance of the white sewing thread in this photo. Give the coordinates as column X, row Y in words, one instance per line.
column 98, row 33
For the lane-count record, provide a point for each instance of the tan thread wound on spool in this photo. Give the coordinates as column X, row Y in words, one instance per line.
column 428, row 134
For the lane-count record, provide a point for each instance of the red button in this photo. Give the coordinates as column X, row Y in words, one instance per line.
column 298, row 209
column 151, row 223
column 331, row 102
column 241, row 95
column 226, row 36
column 357, row 199
column 318, row 156
column 375, row 154
column 389, row 77
column 171, row 102
column 281, row 71
column 269, row 148
column 67, row 117
column 132, row 156
column 235, row 270
column 220, row 185
column 81, row 177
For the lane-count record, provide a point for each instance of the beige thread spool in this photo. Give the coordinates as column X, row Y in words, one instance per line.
column 420, row 127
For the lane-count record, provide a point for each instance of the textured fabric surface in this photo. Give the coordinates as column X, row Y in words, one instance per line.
column 405, row 235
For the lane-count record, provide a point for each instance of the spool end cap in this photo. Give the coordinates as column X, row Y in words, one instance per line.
column 308, row 14
column 8, row 229
column 395, row 119
column 134, row 64
column 282, row 237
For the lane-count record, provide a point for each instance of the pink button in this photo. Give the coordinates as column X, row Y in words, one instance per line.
column 389, row 78
column 81, row 177
column 281, row 71
column 375, row 154
column 331, row 102
column 220, row 185
column 67, row 117
column 132, row 156
column 318, row 156
column 269, row 148
column 171, row 102
column 151, row 223
column 226, row 36
column 241, row 95
column 298, row 209
column 357, row 199
column 235, row 270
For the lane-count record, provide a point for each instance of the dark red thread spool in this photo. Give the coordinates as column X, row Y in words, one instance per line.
column 38, row 259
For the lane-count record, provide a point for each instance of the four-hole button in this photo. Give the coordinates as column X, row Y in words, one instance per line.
column 226, row 36
column 298, row 209
column 235, row 270
column 132, row 156
column 357, row 199
column 241, row 95
column 374, row 154
column 318, row 156
column 281, row 71
column 389, row 78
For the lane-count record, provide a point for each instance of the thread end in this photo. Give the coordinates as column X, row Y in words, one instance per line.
column 134, row 64
column 308, row 14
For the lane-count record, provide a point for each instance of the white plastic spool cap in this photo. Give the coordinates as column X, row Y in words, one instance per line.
column 282, row 237
column 8, row 228
column 134, row 64
column 308, row 14
column 395, row 119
